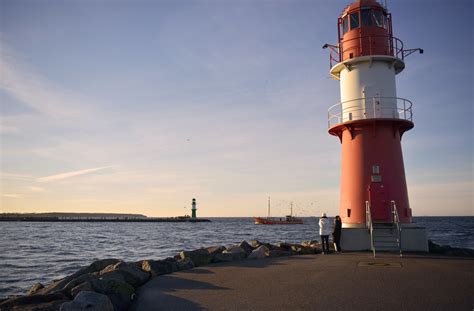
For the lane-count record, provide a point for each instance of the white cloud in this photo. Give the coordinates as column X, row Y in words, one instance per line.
column 71, row 174
column 12, row 195
column 35, row 189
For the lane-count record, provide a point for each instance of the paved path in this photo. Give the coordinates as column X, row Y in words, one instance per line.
column 349, row 281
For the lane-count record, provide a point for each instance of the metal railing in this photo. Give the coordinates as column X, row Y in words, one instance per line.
column 367, row 45
column 396, row 221
column 370, row 108
column 370, row 226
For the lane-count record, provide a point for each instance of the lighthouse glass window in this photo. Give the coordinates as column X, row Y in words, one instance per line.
column 354, row 20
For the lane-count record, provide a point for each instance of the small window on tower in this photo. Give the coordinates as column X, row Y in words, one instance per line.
column 354, row 20
column 378, row 18
column 345, row 24
column 366, row 17
column 375, row 169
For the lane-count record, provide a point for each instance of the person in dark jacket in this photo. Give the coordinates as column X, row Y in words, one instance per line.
column 336, row 235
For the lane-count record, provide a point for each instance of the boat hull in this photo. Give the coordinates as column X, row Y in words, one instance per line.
column 269, row 221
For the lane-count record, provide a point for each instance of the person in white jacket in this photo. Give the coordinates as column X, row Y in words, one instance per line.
column 324, row 231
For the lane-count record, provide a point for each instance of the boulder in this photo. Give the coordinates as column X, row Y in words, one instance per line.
column 88, row 301
column 185, row 264
column 303, row 250
column 279, row 253
column 259, row 252
column 246, row 247
column 160, row 267
column 59, row 285
column 119, row 292
column 285, row 246
column 257, row 243
column 199, row 257
column 311, row 243
column 86, row 286
column 215, row 249
column 237, row 252
column 130, row 273
column 226, row 257
column 34, row 288
column 29, row 302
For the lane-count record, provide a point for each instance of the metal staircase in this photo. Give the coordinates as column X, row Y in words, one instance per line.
column 384, row 237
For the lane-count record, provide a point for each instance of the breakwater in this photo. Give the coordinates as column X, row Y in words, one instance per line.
column 85, row 219
column 44, row 251
column 113, row 284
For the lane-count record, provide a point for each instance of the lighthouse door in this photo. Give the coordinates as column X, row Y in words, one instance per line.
column 379, row 205
column 372, row 102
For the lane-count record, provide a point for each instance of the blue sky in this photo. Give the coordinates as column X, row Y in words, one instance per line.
column 139, row 106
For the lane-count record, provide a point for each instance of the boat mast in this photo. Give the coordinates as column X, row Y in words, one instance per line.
column 291, row 209
column 268, row 207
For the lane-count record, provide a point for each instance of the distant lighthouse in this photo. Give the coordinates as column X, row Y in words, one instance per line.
column 370, row 121
column 193, row 208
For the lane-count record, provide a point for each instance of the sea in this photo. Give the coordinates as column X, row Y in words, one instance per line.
column 33, row 252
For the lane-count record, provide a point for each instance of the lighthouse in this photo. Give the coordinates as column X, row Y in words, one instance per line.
column 370, row 121
column 193, row 208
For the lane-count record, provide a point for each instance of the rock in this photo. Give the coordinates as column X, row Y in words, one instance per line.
column 238, row 253
column 130, row 273
column 285, row 246
column 302, row 250
column 257, row 243
column 185, row 264
column 259, row 252
column 59, row 285
column 448, row 250
column 311, row 243
column 160, row 267
column 89, row 301
column 246, row 247
column 22, row 302
column 227, row 257
column 34, row 288
column 199, row 257
column 86, row 286
column 279, row 253
column 119, row 292
column 215, row 249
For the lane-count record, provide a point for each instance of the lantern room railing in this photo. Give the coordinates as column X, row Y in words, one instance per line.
column 367, row 45
column 370, row 108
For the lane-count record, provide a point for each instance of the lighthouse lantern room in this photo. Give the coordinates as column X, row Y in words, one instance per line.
column 370, row 121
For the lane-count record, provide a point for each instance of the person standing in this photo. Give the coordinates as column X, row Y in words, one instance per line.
column 324, row 231
column 336, row 235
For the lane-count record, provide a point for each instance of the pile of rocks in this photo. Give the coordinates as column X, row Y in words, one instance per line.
column 111, row 284
column 449, row 251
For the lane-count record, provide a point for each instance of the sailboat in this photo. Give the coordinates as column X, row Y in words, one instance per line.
column 288, row 220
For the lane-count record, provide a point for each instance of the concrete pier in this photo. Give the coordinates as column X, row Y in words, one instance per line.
column 347, row 281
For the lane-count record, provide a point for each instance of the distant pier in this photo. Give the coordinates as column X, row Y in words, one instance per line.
column 66, row 217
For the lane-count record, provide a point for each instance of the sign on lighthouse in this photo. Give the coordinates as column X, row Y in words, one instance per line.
column 370, row 121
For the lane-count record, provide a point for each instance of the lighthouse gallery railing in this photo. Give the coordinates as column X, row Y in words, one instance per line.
column 370, row 108
column 394, row 47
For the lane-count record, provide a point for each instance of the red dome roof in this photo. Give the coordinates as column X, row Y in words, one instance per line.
column 362, row 3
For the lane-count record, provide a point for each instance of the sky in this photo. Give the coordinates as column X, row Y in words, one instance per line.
column 140, row 106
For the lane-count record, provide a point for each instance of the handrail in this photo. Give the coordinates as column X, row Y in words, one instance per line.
column 394, row 45
column 396, row 221
column 370, row 226
column 370, row 108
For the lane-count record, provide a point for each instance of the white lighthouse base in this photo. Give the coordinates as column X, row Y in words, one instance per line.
column 413, row 238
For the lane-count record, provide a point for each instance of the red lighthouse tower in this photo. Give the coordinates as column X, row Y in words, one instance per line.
column 370, row 121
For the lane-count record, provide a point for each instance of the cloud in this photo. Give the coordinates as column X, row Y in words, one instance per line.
column 71, row 174
column 11, row 195
column 35, row 189
column 36, row 91
column 13, row 176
